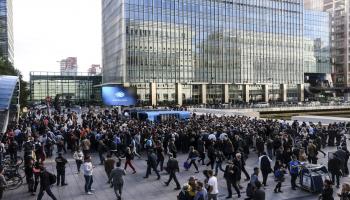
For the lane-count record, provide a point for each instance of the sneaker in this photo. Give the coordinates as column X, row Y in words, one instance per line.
column 64, row 184
column 134, row 172
column 177, row 188
column 89, row 193
column 92, row 189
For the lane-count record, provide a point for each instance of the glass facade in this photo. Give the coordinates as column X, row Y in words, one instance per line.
column 79, row 88
column 191, row 41
column 317, row 57
column 6, row 29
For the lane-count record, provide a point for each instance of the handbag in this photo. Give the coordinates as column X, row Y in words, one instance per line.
column 186, row 165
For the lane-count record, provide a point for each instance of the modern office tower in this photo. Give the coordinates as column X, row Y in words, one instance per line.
column 339, row 11
column 6, row 30
column 204, row 51
column 69, row 66
column 317, row 50
column 316, row 5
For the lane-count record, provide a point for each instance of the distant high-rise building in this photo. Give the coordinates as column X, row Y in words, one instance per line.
column 313, row 5
column 69, row 66
column 94, row 70
column 6, row 29
column 340, row 40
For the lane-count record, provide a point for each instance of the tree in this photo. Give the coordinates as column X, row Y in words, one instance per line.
column 6, row 68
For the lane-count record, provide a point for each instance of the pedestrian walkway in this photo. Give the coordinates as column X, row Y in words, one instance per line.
column 138, row 188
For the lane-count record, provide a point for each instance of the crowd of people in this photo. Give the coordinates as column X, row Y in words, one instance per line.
column 221, row 143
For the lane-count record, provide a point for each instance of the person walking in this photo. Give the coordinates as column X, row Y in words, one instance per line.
column 116, row 177
column 3, row 182
column 334, row 167
column 172, row 168
column 230, row 174
column 294, row 171
column 78, row 157
column 129, row 156
column 213, row 190
column 109, row 165
column 219, row 158
column 279, row 175
column 46, row 180
column 61, row 169
column 152, row 164
column 88, row 170
column 192, row 156
column 160, row 156
column 265, row 166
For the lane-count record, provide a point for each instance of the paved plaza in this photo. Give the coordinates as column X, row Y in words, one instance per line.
column 138, row 188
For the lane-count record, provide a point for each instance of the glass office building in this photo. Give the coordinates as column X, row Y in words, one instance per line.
column 317, row 57
column 6, row 29
column 79, row 88
column 202, row 45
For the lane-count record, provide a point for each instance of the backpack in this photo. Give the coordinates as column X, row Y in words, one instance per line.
column 52, row 178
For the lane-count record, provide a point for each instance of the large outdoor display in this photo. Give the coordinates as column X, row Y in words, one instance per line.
column 118, row 96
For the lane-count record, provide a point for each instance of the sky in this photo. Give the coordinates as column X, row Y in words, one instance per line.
column 46, row 31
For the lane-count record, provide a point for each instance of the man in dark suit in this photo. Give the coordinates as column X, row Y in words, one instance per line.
column 152, row 164
column 172, row 168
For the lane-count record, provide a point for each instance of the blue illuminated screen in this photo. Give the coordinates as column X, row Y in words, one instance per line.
column 117, row 96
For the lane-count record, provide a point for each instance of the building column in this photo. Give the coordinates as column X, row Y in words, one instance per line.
column 126, row 84
column 266, row 93
column 178, row 93
column 300, row 92
column 153, row 93
column 246, row 93
column 225, row 94
column 283, row 92
column 204, row 93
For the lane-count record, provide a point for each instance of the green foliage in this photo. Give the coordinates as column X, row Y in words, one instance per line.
column 6, row 68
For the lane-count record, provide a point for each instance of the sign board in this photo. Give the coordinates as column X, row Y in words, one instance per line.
column 116, row 95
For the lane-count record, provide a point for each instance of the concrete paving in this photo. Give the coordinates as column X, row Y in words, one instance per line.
column 137, row 188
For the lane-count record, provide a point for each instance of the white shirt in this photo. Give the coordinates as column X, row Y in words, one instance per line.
column 88, row 168
column 213, row 182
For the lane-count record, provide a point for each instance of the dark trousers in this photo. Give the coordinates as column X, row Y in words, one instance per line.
column 102, row 158
column 161, row 163
column 245, row 173
column 193, row 161
column 202, row 157
column 30, row 182
column 88, row 182
column 1, row 192
column 211, row 163
column 118, row 188
column 278, row 186
column 335, row 176
column 61, row 176
column 36, row 182
column 128, row 162
column 264, row 174
column 172, row 175
column 78, row 162
column 231, row 184
column 218, row 166
column 48, row 191
column 154, row 167
column 293, row 180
